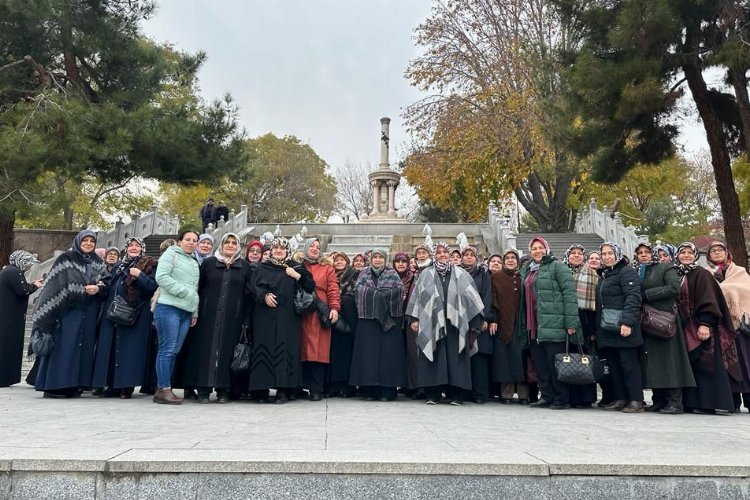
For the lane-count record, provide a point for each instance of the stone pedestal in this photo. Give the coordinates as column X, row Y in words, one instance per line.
column 384, row 182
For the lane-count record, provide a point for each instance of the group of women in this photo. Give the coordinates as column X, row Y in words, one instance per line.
column 438, row 324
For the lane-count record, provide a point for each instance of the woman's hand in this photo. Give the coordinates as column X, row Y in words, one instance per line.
column 493, row 328
column 270, row 300
column 571, row 331
column 334, row 315
column 625, row 330
column 91, row 289
column 704, row 332
column 135, row 272
column 415, row 326
column 292, row 273
column 193, row 321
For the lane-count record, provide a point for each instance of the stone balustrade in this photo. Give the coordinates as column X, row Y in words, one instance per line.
column 608, row 226
column 140, row 226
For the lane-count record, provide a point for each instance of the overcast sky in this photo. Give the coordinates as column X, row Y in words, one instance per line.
column 325, row 71
column 322, row 70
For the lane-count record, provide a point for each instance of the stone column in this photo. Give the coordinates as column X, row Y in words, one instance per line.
column 385, row 139
column 375, row 197
column 391, row 198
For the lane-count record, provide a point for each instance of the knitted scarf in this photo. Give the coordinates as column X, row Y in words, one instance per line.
column 380, row 301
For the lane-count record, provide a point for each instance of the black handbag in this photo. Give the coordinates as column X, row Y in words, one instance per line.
column 241, row 355
column 122, row 313
column 610, row 320
column 575, row 368
column 41, row 343
column 303, row 301
column 658, row 324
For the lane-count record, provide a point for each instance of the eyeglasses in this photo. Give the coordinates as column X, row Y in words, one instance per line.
column 716, row 250
column 254, row 251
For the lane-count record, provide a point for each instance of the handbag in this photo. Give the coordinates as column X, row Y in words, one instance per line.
column 241, row 355
column 41, row 343
column 303, row 301
column 122, row 313
column 610, row 320
column 658, row 324
column 575, row 368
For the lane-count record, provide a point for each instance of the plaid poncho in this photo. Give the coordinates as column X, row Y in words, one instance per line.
column 381, row 301
column 428, row 303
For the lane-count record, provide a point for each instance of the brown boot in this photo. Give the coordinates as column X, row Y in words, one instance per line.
column 633, row 407
column 166, row 397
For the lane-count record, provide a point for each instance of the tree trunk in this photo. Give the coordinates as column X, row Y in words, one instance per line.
column 730, row 203
column 7, row 221
column 739, row 83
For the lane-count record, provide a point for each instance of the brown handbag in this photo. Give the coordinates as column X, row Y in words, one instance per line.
column 658, row 324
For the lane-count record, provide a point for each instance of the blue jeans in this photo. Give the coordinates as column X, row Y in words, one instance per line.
column 171, row 327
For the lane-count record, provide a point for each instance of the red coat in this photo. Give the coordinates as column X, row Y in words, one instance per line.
column 316, row 340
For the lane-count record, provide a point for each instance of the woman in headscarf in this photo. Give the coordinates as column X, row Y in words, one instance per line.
column 423, row 256
column 122, row 350
column 316, row 325
column 67, row 308
column 594, row 261
column 413, row 264
column 585, row 280
column 456, row 257
column 481, row 362
column 224, row 291
column 619, row 291
column 445, row 313
column 275, row 361
column 254, row 252
column 665, row 253
column 342, row 333
column 735, row 285
column 359, row 262
column 176, row 309
column 422, row 261
column 14, row 301
column 667, row 364
column 547, row 318
column 403, row 269
column 509, row 363
column 379, row 358
column 111, row 258
column 709, row 336
column 495, row 263
column 205, row 247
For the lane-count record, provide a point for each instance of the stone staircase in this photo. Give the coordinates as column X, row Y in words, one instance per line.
column 354, row 244
column 559, row 242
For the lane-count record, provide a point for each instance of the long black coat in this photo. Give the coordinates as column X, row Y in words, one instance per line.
column 276, row 360
column 224, row 295
column 483, row 282
column 14, row 300
column 619, row 288
column 122, row 351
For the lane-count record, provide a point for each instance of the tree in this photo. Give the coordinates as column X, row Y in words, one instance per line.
column 185, row 201
column 282, row 180
column 85, row 97
column 490, row 128
column 630, row 71
column 353, row 190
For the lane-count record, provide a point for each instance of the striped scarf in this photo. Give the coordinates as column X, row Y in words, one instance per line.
column 380, row 301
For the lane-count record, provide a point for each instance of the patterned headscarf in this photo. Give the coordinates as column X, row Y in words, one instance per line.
column 442, row 267
column 219, row 254
column 23, row 260
column 128, row 241
column 615, row 248
column 574, row 246
column 471, row 269
column 667, row 249
column 540, row 240
column 685, row 269
column 719, row 268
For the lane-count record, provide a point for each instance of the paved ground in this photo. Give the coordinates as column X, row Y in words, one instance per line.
column 337, row 435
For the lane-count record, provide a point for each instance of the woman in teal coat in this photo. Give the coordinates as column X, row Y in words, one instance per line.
column 548, row 316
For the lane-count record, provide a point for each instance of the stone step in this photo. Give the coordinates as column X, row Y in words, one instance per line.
column 375, row 239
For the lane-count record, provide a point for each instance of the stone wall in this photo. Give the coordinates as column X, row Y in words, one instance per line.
column 42, row 242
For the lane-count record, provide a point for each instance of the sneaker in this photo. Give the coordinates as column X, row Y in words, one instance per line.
column 456, row 402
column 430, row 402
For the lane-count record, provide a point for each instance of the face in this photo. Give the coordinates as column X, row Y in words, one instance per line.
column 88, row 244
column 278, row 252
column 134, row 249
column 664, row 257
column 537, row 251
column 575, row 257
column 510, row 262
column 608, row 256
column 377, row 260
column 110, row 258
column 456, row 258
column 314, row 251
column 644, row 255
column 188, row 242
column 401, row 265
column 422, row 255
column 686, row 256
column 359, row 263
column 229, row 248
column 495, row 264
column 469, row 258
column 339, row 263
column 595, row 261
column 413, row 264
column 442, row 255
column 205, row 246
column 254, row 253
column 717, row 254
column 266, row 255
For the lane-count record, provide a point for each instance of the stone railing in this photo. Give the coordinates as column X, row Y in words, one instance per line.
column 608, row 226
column 237, row 223
column 140, row 226
column 503, row 228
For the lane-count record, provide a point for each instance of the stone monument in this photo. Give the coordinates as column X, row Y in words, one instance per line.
column 384, row 182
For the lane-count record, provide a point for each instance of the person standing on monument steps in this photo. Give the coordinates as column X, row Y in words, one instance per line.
column 445, row 314
column 378, row 360
column 207, row 214
column 316, row 329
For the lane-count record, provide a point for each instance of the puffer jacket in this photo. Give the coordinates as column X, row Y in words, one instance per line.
column 556, row 303
column 620, row 289
column 177, row 275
